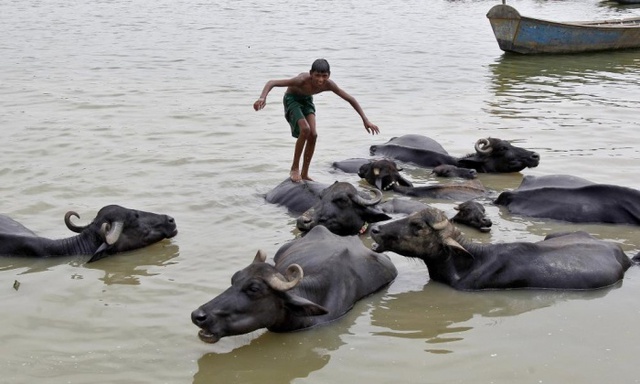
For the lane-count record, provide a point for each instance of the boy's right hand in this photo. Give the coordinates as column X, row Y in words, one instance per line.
column 259, row 104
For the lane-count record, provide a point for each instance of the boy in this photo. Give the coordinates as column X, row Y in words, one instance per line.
column 300, row 111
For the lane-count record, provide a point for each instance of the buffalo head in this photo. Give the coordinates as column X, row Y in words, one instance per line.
column 448, row 170
column 472, row 213
column 426, row 234
column 342, row 210
column 259, row 297
column 499, row 156
column 383, row 174
column 118, row 229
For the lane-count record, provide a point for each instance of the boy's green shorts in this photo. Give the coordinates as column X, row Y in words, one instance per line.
column 296, row 107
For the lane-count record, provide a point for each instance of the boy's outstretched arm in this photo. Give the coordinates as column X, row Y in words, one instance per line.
column 262, row 100
column 368, row 125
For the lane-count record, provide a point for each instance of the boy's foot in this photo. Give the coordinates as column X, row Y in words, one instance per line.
column 295, row 176
column 307, row 178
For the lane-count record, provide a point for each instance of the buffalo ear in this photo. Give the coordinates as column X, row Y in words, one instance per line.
column 472, row 162
column 299, row 306
column 100, row 253
column 364, row 169
column 374, row 215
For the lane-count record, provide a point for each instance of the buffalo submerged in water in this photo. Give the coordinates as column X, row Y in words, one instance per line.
column 492, row 155
column 340, row 207
column 572, row 199
column 385, row 175
column 115, row 229
column 343, row 211
column 563, row 261
column 314, row 279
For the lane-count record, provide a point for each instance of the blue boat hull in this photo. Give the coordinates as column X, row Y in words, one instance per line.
column 526, row 35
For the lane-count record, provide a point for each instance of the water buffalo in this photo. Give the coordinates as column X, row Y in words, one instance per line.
column 573, row 199
column 343, row 211
column 297, row 197
column 470, row 213
column 354, row 165
column 385, row 175
column 316, row 279
column 492, row 155
column 448, row 170
column 473, row 214
column 350, row 165
column 115, row 229
column 563, row 261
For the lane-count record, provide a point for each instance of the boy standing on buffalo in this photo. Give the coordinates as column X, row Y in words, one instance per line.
column 300, row 111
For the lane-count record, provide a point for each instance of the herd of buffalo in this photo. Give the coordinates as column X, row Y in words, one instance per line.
column 320, row 275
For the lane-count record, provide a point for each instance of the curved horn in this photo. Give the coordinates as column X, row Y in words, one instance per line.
column 483, row 146
column 435, row 218
column 112, row 231
column 452, row 243
column 364, row 202
column 294, row 276
column 261, row 256
column 70, row 225
column 440, row 225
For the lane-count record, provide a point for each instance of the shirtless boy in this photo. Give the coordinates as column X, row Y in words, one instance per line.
column 300, row 111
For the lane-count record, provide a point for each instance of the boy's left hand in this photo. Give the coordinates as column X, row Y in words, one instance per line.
column 371, row 128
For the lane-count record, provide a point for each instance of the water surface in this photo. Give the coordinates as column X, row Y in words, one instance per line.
column 148, row 104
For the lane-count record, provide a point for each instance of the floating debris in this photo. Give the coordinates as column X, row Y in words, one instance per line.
column 16, row 285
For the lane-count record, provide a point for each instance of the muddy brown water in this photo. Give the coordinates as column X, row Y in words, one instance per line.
column 149, row 105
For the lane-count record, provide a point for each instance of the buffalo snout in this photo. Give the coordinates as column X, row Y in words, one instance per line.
column 199, row 317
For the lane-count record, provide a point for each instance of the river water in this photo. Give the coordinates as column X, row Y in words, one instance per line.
column 148, row 104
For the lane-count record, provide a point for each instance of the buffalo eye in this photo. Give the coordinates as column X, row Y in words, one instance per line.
column 253, row 289
column 415, row 227
column 341, row 202
column 501, row 149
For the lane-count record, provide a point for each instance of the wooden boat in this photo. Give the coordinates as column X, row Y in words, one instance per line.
column 527, row 35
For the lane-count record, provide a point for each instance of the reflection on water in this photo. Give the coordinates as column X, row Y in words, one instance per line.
column 279, row 357
column 264, row 357
column 511, row 71
column 122, row 268
column 438, row 313
column 129, row 267
column 593, row 79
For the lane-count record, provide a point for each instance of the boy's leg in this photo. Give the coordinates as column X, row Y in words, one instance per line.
column 303, row 125
column 309, row 149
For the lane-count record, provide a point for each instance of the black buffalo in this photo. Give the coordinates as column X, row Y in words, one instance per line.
column 354, row 165
column 316, row 279
column 470, row 213
column 343, row 210
column 448, row 170
column 573, row 199
column 115, row 229
column 564, row 261
column 385, row 175
column 473, row 214
column 492, row 155
column 351, row 165
column 297, row 197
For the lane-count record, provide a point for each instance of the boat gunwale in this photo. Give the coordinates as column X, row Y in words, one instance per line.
column 623, row 23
